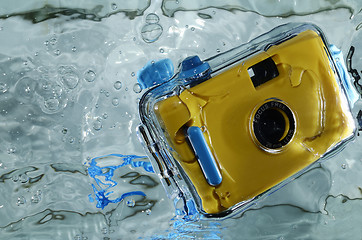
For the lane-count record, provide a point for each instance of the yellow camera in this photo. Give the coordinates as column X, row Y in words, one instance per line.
column 246, row 128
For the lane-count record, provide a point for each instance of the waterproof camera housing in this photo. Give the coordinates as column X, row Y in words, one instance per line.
column 228, row 130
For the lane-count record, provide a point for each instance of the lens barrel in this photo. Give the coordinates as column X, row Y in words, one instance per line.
column 273, row 125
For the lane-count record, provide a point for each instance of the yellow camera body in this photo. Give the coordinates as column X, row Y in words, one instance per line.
column 259, row 132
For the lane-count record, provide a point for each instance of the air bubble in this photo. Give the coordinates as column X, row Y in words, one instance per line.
column 152, row 18
column 137, row 88
column 105, row 116
column 344, row 166
column 57, row 52
column 114, row 6
column 89, row 75
column 70, row 80
column 217, row 50
column 151, row 32
column 35, row 199
column 53, row 40
column 3, row 88
column 97, row 125
column 131, row 203
column 104, row 230
column 162, row 50
column 77, row 237
column 24, row 178
column 148, row 211
column 71, row 140
column 11, row 150
column 64, row 131
column 74, row 49
column 115, row 101
column 21, row 201
column 117, row 85
column 15, row 178
column 133, row 74
column 192, row 29
column 52, row 104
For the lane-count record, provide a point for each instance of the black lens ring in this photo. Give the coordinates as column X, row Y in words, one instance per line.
column 260, row 136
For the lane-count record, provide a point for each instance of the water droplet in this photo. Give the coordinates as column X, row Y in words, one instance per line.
column 117, row 85
column 106, row 94
column 133, row 74
column 192, row 29
column 3, row 88
column 217, row 50
column 187, row 26
column 77, row 237
column 21, row 200
column 89, row 75
column 114, row 6
column 97, row 125
column 52, row 104
column 1, row 28
column 84, row 238
column 115, row 101
column 131, row 203
column 152, row 18
column 137, row 88
column 104, row 230
column 105, row 116
column 148, row 211
column 97, row 105
column 57, row 52
column 74, row 49
column 161, row 50
column 151, row 32
column 344, row 166
column 24, row 178
column 177, row 2
column 46, row 43
column 64, row 131
column 36, row 54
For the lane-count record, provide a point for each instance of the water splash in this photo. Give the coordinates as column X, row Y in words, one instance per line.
column 102, row 188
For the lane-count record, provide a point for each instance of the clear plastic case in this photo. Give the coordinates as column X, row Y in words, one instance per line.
column 229, row 130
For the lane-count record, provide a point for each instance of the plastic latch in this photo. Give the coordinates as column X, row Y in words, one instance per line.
column 193, row 67
column 204, row 156
column 343, row 73
column 155, row 72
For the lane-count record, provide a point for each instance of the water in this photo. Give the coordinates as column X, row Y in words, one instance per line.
column 68, row 95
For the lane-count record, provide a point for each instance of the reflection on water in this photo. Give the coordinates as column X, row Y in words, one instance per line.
column 69, row 94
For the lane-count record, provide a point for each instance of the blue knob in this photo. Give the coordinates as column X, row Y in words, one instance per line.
column 154, row 73
column 193, row 67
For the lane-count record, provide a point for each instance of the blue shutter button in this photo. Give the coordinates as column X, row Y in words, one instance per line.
column 193, row 67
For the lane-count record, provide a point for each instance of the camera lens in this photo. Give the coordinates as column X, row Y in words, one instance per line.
column 273, row 125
